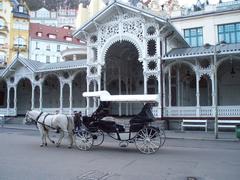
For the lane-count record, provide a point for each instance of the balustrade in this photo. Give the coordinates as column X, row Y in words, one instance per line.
column 205, row 111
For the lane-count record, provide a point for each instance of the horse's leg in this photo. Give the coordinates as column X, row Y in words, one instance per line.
column 45, row 137
column 52, row 141
column 70, row 135
column 61, row 137
column 42, row 135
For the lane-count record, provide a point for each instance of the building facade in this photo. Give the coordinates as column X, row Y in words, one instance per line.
column 14, row 30
column 132, row 51
column 47, row 42
column 59, row 18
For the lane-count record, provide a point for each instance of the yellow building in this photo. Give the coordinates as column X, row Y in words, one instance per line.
column 87, row 9
column 14, row 30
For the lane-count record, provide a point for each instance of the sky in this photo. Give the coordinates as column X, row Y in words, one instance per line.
column 190, row 2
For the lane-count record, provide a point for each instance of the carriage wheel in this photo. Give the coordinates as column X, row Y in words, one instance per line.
column 98, row 138
column 84, row 140
column 148, row 140
column 163, row 136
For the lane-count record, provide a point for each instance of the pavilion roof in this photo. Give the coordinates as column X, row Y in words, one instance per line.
column 224, row 49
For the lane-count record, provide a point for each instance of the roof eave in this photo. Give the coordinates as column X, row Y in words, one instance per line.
column 78, row 32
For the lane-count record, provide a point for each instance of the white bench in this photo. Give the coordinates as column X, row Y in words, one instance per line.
column 2, row 119
column 194, row 123
column 228, row 123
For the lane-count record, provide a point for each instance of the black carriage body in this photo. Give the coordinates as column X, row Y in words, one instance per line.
column 95, row 122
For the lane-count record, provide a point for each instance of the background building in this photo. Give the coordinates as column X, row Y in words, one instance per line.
column 47, row 42
column 59, row 18
column 14, row 30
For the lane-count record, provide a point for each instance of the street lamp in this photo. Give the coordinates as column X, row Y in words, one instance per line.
column 216, row 92
column 215, row 52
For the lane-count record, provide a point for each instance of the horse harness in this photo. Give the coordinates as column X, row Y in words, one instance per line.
column 44, row 124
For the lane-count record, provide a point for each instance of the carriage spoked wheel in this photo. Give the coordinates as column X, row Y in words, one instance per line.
column 98, row 138
column 84, row 140
column 148, row 140
column 163, row 136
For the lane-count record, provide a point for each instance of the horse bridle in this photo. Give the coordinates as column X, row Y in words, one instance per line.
column 35, row 120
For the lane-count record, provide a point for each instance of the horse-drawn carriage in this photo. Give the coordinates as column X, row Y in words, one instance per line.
column 147, row 137
column 141, row 131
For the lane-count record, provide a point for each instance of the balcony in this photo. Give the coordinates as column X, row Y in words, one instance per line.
column 20, row 47
column 3, row 28
column 4, row 46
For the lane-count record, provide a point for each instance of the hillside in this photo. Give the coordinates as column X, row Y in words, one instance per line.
column 51, row 4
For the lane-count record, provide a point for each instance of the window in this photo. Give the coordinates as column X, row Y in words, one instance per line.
column 39, row 34
column 230, row 33
column 58, row 48
column 36, row 57
column 52, row 36
column 2, row 23
column 20, row 8
column 20, row 42
column 48, row 47
column 58, row 59
column 194, row 36
column 2, row 39
column 37, row 47
column 2, row 57
column 47, row 59
column 68, row 38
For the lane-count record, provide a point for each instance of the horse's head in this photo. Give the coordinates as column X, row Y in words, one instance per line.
column 31, row 117
column 27, row 119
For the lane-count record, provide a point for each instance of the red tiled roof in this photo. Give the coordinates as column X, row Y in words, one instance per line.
column 60, row 33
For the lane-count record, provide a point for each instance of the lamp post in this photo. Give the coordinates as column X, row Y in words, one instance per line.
column 216, row 92
column 216, row 88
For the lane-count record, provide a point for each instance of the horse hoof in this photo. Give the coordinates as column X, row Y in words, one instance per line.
column 58, row 146
column 69, row 147
column 45, row 144
column 53, row 142
column 41, row 145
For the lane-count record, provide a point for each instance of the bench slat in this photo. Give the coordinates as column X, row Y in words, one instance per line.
column 194, row 123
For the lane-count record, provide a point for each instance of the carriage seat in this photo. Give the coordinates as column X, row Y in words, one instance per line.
column 110, row 126
column 141, row 120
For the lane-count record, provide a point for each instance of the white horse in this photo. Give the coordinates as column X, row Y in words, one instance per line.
column 46, row 121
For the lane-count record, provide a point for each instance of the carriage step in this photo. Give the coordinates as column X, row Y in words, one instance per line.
column 123, row 144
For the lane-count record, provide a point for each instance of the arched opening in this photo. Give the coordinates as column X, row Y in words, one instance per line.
column 229, row 82
column 51, row 92
column 36, row 97
column 3, row 94
column 24, row 96
column 123, row 74
column 205, row 89
column 11, row 98
column 180, row 86
column 79, row 85
column 152, row 85
column 66, row 94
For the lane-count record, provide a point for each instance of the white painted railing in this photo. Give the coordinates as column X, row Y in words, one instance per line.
column 203, row 111
column 229, row 111
column 186, row 111
column 156, row 111
column 206, row 111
